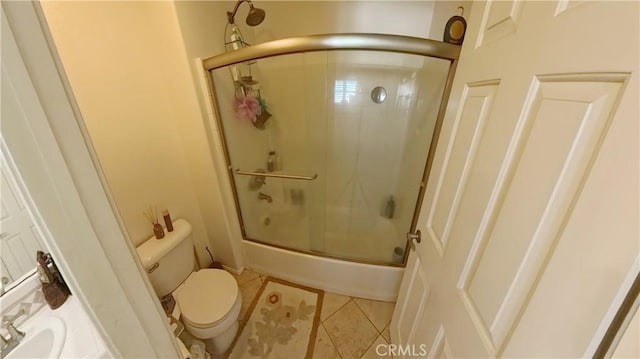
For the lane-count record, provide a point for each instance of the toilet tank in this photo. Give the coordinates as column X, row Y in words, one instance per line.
column 170, row 260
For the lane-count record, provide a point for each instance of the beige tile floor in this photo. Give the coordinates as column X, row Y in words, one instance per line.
column 349, row 327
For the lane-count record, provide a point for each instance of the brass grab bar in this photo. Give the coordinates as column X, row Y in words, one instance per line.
column 276, row 175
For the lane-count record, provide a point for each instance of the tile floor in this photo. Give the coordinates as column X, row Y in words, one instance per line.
column 349, row 327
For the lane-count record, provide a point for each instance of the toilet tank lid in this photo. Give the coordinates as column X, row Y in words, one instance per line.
column 153, row 249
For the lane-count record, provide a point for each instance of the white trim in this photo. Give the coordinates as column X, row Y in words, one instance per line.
column 228, row 209
column 438, row 344
column 598, row 336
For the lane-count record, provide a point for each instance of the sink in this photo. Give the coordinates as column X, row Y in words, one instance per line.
column 43, row 339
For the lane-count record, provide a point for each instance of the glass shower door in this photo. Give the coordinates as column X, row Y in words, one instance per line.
column 274, row 168
column 377, row 149
column 353, row 127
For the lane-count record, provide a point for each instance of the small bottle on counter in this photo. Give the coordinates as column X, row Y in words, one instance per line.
column 167, row 220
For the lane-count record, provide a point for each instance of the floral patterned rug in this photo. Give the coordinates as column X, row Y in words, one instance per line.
column 283, row 322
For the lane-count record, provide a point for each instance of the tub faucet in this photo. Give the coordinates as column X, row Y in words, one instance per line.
column 15, row 336
column 266, row 197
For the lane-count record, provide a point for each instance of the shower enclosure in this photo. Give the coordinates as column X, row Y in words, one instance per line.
column 328, row 139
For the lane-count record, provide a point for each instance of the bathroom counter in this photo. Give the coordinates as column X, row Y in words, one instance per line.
column 81, row 337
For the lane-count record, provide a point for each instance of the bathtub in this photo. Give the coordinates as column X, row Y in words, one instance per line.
column 280, row 226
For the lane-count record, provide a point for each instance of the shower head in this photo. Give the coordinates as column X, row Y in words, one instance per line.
column 254, row 18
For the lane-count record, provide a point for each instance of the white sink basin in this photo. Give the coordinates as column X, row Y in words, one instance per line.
column 43, row 339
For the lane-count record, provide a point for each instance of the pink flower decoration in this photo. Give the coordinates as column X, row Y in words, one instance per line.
column 248, row 107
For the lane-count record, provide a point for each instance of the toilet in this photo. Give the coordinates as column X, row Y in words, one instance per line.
column 208, row 299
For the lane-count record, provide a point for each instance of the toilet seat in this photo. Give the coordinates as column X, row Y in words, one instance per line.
column 207, row 297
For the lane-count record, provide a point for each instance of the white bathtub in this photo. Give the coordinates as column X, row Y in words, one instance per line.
column 288, row 226
column 332, row 275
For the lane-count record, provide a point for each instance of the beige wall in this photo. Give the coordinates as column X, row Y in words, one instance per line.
column 442, row 12
column 201, row 25
column 127, row 67
column 285, row 19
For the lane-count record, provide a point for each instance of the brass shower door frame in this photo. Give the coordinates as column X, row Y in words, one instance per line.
column 328, row 42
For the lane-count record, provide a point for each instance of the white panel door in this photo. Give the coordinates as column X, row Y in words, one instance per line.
column 530, row 218
column 19, row 238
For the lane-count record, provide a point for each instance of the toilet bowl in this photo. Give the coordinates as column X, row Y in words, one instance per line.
column 208, row 299
column 210, row 302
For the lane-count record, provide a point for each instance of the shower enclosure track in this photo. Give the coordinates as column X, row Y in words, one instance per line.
column 372, row 42
column 329, row 42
